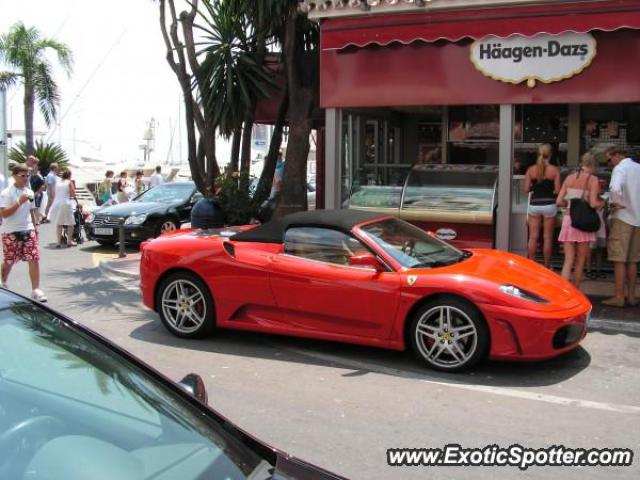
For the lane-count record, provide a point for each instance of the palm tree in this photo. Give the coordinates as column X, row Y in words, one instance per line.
column 47, row 154
column 24, row 51
column 234, row 45
column 301, row 63
column 238, row 34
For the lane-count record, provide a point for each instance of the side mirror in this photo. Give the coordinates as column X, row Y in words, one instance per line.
column 194, row 385
column 365, row 260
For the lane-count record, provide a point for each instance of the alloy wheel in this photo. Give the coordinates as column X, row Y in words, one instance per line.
column 446, row 337
column 167, row 226
column 184, row 306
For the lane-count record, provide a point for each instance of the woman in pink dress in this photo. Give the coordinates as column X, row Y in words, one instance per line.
column 581, row 184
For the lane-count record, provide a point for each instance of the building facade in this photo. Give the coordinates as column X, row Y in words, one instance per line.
column 434, row 109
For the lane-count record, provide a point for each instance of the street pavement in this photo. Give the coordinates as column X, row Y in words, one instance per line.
column 342, row 406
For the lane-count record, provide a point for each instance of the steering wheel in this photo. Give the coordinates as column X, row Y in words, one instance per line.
column 409, row 248
column 22, row 440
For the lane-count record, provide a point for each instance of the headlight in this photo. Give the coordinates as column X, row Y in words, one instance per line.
column 521, row 293
column 90, row 218
column 135, row 219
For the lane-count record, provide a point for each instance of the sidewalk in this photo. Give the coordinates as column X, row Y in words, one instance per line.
column 606, row 319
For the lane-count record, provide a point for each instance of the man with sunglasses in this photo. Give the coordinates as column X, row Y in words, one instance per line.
column 19, row 235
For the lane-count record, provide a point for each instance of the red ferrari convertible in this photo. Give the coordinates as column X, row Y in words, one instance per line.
column 357, row 277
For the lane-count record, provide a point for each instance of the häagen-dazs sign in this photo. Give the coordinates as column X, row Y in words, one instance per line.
column 544, row 58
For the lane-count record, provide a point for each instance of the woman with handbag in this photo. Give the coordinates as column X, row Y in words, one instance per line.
column 580, row 191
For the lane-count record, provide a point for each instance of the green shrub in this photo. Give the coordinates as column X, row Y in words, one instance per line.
column 237, row 197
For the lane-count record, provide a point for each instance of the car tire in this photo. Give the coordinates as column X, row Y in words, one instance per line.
column 167, row 225
column 186, row 306
column 106, row 243
column 449, row 334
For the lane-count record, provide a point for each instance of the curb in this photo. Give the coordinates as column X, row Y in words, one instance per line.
column 628, row 327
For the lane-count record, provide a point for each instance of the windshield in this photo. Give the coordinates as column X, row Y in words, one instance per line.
column 169, row 193
column 410, row 246
column 64, row 397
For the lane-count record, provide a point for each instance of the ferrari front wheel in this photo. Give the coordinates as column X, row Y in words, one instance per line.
column 185, row 306
column 449, row 335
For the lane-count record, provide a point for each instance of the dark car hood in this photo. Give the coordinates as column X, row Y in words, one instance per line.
column 135, row 208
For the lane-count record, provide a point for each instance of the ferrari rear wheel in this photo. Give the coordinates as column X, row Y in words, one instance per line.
column 449, row 335
column 185, row 306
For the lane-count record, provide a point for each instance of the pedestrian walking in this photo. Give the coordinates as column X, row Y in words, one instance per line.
column 139, row 183
column 19, row 232
column 38, row 185
column 156, row 179
column 542, row 183
column 62, row 209
column 123, row 185
column 105, row 193
column 623, row 246
column 51, row 180
column 582, row 184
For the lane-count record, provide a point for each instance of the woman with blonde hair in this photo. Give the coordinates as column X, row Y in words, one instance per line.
column 542, row 182
column 582, row 184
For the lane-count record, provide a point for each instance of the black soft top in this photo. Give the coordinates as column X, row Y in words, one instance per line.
column 273, row 231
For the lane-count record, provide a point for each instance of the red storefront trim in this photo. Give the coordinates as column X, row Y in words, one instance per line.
column 442, row 74
column 583, row 17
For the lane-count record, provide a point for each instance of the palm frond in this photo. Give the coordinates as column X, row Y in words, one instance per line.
column 47, row 153
column 8, row 80
column 47, row 93
column 65, row 56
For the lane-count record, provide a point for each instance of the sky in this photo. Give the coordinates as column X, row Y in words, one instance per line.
column 120, row 80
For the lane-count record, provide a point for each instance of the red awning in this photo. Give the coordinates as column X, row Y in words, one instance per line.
column 582, row 17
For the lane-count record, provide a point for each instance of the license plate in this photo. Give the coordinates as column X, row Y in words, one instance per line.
column 103, row 231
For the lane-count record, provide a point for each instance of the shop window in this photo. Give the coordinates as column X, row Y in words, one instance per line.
column 429, row 143
column 473, row 135
column 535, row 125
column 607, row 125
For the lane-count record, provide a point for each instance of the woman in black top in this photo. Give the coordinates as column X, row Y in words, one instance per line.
column 542, row 182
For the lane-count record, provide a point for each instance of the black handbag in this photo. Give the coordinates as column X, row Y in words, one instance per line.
column 583, row 216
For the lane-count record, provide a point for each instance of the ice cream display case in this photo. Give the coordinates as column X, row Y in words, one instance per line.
column 456, row 202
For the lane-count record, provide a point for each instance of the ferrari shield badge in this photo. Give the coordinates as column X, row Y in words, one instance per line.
column 411, row 279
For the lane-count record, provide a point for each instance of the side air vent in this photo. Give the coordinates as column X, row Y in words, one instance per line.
column 229, row 248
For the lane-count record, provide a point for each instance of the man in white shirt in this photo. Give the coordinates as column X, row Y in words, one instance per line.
column 156, row 178
column 19, row 235
column 623, row 244
column 51, row 180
